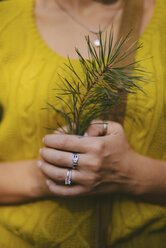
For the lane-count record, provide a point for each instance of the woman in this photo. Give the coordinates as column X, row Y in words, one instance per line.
column 36, row 37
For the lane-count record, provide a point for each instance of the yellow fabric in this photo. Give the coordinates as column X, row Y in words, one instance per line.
column 28, row 75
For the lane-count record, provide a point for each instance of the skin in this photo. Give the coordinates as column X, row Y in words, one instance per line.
column 106, row 164
column 62, row 34
column 24, row 183
column 103, row 161
column 109, row 165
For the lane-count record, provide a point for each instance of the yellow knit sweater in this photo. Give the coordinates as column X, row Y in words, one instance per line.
column 28, row 73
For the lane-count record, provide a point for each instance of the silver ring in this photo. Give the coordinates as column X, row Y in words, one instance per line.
column 75, row 160
column 105, row 128
column 68, row 179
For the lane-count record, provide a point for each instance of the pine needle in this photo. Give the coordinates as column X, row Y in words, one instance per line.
column 103, row 86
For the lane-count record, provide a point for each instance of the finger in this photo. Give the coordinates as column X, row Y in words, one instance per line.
column 96, row 127
column 65, row 191
column 88, row 179
column 59, row 175
column 64, row 159
column 66, row 142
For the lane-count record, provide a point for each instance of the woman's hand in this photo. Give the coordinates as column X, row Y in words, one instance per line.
column 103, row 165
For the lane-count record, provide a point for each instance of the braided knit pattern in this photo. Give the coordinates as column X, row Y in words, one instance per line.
column 28, row 74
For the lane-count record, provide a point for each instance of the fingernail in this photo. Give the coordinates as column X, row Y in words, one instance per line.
column 48, row 182
column 40, row 151
column 43, row 140
column 39, row 163
column 85, row 134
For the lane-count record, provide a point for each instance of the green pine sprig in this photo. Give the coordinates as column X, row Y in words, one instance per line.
column 105, row 84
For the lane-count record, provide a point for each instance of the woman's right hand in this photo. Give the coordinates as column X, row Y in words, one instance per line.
column 22, row 181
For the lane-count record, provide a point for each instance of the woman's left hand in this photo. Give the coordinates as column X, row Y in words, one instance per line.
column 104, row 164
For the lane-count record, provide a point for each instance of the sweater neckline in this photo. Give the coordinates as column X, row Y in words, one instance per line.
column 37, row 38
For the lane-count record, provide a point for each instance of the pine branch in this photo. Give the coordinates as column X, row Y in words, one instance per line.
column 104, row 85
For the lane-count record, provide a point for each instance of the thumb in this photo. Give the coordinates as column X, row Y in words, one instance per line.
column 98, row 128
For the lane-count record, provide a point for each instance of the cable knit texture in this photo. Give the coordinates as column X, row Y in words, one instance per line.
column 28, row 74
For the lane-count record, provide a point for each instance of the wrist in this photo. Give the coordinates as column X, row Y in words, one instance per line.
column 147, row 177
column 36, row 187
column 24, row 183
column 134, row 173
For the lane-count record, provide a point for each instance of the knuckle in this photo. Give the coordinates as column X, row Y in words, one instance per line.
column 93, row 180
column 58, row 176
column 99, row 147
column 96, row 165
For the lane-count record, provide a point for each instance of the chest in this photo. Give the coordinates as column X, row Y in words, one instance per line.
column 63, row 32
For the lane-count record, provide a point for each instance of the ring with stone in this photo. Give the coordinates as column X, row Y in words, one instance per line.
column 75, row 160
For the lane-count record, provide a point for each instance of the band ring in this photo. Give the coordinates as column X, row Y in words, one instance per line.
column 105, row 128
column 75, row 160
column 68, row 179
